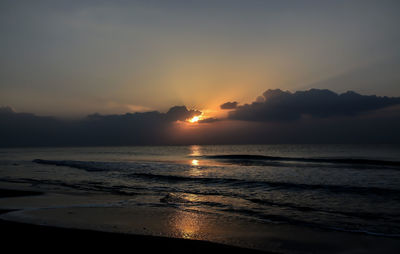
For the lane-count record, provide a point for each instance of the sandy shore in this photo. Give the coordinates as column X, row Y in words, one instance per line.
column 50, row 222
column 23, row 236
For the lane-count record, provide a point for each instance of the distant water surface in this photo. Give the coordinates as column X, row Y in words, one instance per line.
column 336, row 187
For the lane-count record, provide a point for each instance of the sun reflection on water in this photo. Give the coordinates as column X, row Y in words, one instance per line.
column 195, row 162
column 195, row 150
column 188, row 225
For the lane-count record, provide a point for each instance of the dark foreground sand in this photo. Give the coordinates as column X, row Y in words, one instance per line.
column 17, row 236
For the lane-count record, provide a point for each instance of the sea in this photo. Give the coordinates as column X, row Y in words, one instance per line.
column 354, row 188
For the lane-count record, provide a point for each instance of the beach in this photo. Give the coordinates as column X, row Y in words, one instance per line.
column 200, row 126
column 273, row 199
column 29, row 237
column 145, row 230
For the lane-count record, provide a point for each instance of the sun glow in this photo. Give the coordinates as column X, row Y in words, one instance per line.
column 195, row 119
column 195, row 162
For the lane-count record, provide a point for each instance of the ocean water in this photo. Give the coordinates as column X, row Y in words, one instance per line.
column 352, row 188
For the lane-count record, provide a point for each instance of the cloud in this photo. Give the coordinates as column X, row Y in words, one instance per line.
column 181, row 113
column 229, row 105
column 209, row 120
column 24, row 129
column 279, row 106
column 6, row 110
column 314, row 116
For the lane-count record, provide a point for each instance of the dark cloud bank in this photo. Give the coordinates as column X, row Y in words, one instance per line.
column 313, row 116
column 229, row 105
column 277, row 105
column 24, row 129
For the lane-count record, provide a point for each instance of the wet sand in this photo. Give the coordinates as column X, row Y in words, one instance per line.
column 30, row 222
column 18, row 236
column 21, row 236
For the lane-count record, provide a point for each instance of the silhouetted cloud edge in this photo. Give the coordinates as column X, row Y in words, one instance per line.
column 280, row 106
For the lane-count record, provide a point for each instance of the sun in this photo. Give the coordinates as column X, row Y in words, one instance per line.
column 194, row 119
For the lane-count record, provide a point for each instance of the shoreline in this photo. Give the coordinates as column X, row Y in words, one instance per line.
column 98, row 241
column 41, row 218
column 32, row 236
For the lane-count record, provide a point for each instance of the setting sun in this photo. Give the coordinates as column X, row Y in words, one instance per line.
column 195, row 119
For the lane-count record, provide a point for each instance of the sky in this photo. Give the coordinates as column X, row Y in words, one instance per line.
column 73, row 58
column 249, row 71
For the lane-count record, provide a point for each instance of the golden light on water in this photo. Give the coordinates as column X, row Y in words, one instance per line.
column 187, row 225
column 193, row 224
column 195, row 151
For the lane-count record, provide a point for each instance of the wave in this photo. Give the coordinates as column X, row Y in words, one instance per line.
column 99, row 166
column 232, row 182
column 272, row 185
column 274, row 218
column 86, row 165
column 254, row 159
column 180, row 197
column 80, row 186
column 362, row 215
